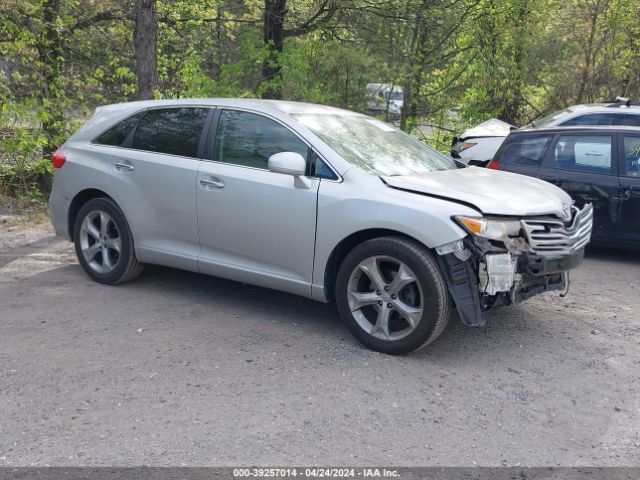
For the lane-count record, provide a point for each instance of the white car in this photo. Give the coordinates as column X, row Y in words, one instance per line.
column 315, row 201
column 478, row 145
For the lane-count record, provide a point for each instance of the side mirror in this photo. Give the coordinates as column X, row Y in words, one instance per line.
column 290, row 163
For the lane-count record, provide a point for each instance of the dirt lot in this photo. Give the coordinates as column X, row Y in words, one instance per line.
column 182, row 369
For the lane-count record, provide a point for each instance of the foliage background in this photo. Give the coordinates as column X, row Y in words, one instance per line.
column 459, row 61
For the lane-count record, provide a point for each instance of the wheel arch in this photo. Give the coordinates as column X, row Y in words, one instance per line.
column 79, row 200
column 342, row 249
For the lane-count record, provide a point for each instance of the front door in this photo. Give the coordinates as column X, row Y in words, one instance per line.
column 255, row 225
column 628, row 228
column 583, row 166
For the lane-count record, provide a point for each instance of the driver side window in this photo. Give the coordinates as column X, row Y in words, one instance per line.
column 248, row 139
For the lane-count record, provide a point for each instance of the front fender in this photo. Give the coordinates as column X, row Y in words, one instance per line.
column 350, row 207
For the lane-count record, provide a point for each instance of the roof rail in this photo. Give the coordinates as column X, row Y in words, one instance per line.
column 620, row 101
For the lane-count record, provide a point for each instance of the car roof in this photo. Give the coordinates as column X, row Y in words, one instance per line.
column 282, row 106
column 573, row 111
column 581, row 128
column 605, row 107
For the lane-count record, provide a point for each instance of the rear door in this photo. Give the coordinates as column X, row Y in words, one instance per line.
column 154, row 178
column 628, row 228
column 583, row 165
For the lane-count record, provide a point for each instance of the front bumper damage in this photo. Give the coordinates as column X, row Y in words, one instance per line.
column 482, row 274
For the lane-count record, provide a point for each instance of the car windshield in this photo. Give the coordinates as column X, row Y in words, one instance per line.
column 545, row 121
column 374, row 146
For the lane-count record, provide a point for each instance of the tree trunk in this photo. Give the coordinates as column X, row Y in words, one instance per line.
column 588, row 55
column 145, row 38
column 408, row 109
column 50, row 53
column 513, row 99
column 273, row 35
column 417, row 59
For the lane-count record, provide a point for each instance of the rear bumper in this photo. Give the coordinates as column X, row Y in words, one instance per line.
column 59, row 212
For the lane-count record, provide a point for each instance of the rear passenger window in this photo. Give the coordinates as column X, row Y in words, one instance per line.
column 593, row 119
column 632, row 156
column 117, row 134
column 175, row 131
column 524, row 149
column 590, row 154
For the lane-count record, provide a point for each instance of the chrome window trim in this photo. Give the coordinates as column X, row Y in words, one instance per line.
column 129, row 149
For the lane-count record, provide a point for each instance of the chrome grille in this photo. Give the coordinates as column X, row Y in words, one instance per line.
column 552, row 236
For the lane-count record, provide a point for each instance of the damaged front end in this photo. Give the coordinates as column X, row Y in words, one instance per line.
column 504, row 261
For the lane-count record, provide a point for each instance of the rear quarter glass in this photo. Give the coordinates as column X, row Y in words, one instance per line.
column 116, row 135
column 524, row 149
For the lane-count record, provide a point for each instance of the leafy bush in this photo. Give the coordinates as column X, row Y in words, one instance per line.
column 31, row 180
column 23, row 171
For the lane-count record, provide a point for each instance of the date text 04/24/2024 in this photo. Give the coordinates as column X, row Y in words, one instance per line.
column 316, row 472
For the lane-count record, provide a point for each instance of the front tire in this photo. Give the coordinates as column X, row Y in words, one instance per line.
column 392, row 296
column 104, row 243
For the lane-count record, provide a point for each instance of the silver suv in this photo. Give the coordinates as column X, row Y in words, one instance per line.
column 316, row 201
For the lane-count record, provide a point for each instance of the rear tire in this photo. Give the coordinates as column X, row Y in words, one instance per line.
column 104, row 243
column 392, row 296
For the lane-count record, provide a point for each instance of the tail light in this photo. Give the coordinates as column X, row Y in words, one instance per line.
column 494, row 164
column 58, row 159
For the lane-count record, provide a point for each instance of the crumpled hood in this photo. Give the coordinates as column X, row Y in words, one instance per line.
column 490, row 191
column 490, row 128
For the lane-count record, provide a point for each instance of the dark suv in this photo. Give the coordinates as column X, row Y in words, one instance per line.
column 597, row 165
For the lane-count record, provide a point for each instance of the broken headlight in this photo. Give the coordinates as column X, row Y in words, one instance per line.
column 490, row 228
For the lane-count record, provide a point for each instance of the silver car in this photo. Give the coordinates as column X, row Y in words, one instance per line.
column 316, row 201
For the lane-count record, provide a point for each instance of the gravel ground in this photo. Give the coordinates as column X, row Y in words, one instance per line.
column 181, row 369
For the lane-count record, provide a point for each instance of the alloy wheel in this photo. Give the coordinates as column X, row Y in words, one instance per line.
column 100, row 241
column 385, row 297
